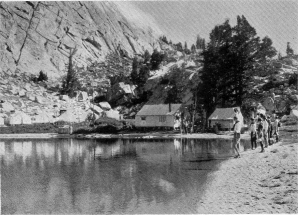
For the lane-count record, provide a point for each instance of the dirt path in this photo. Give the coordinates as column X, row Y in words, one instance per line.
column 256, row 182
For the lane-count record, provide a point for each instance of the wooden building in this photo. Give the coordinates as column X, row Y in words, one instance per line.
column 161, row 115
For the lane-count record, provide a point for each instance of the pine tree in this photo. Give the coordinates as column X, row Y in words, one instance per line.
column 185, row 46
column 134, row 73
column 179, row 47
column 229, row 62
column 289, row 50
column 279, row 56
column 147, row 57
column 193, row 48
column 156, row 59
column 70, row 83
column 200, row 43
column 42, row 76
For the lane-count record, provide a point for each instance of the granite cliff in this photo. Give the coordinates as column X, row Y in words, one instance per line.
column 37, row 36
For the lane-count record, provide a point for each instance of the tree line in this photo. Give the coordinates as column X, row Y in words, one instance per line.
column 231, row 58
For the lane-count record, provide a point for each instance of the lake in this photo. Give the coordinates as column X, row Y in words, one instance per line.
column 108, row 175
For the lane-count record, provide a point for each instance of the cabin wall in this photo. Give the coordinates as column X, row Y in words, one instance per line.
column 153, row 121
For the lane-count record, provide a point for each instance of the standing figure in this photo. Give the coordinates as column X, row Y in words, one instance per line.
column 265, row 130
column 253, row 134
column 276, row 126
column 269, row 130
column 260, row 133
column 236, row 141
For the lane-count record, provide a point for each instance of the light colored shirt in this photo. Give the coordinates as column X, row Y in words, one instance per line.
column 237, row 127
column 275, row 125
column 265, row 124
column 253, row 127
column 239, row 117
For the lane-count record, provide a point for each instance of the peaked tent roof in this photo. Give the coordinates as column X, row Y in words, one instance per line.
column 158, row 110
column 223, row 113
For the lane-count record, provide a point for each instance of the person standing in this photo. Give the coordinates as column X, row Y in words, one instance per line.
column 276, row 126
column 265, row 130
column 269, row 130
column 260, row 133
column 236, row 140
column 253, row 134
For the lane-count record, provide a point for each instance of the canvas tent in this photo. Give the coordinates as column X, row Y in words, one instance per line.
column 19, row 118
column 73, row 117
column 224, row 117
column 1, row 121
column 82, row 96
column 42, row 118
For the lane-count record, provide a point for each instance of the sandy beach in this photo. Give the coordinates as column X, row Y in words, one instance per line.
column 256, row 182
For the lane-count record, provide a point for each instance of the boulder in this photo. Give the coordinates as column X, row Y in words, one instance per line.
column 294, row 97
column 22, row 93
column 30, row 96
column 96, row 109
column 40, row 99
column 294, row 114
column 7, row 107
column 3, row 82
column 104, row 105
column 64, row 98
column 27, row 87
column 112, row 114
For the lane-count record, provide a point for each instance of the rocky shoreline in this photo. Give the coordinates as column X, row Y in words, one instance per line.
column 256, row 182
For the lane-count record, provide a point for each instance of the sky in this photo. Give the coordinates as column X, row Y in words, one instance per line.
column 182, row 21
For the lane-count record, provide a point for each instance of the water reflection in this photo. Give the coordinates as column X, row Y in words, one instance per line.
column 106, row 176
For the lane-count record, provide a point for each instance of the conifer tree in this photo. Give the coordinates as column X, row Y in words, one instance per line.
column 289, row 50
column 193, row 48
column 70, row 83
column 134, row 73
column 229, row 62
column 147, row 57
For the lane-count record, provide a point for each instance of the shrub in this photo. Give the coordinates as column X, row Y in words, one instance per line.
column 293, row 80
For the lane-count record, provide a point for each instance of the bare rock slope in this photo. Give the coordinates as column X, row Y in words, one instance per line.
column 38, row 36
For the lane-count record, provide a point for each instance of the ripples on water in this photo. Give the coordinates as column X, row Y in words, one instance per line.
column 107, row 176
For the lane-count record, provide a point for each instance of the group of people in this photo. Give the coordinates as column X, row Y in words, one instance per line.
column 262, row 129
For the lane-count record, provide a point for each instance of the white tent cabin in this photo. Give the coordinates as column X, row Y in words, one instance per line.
column 81, row 96
column 42, row 117
column 19, row 118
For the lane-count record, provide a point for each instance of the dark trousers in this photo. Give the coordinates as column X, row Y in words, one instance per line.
column 270, row 134
column 253, row 139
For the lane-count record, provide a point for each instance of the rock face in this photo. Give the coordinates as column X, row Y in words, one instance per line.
column 37, row 36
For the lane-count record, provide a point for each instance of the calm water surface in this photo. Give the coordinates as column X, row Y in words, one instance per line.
column 107, row 176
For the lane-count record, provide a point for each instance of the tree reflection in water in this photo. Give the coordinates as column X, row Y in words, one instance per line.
column 107, row 176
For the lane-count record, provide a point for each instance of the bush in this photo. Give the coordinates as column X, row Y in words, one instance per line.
column 42, row 76
column 272, row 84
column 293, row 80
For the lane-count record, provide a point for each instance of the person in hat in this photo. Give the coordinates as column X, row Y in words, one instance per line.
column 253, row 133
column 236, row 140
